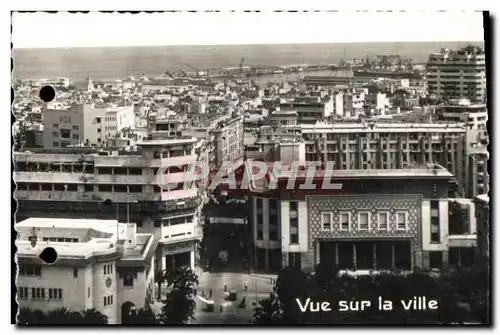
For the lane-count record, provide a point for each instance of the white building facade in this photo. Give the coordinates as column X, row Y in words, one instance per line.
column 101, row 264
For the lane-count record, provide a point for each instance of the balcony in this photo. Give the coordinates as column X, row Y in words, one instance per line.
column 81, row 196
column 179, row 194
column 174, row 161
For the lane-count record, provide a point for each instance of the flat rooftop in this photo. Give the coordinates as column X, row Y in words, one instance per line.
column 174, row 141
column 101, row 225
column 380, row 127
column 97, row 238
column 431, row 171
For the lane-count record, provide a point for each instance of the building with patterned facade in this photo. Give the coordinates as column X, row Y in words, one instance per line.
column 123, row 185
column 101, row 264
column 379, row 219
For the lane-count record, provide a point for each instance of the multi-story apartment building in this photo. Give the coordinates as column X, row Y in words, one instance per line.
column 475, row 116
column 476, row 164
column 151, row 187
column 377, row 219
column 379, row 145
column 228, row 139
column 100, row 264
column 310, row 109
column 456, row 74
column 84, row 124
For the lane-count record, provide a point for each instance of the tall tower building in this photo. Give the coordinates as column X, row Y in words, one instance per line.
column 456, row 74
column 90, row 84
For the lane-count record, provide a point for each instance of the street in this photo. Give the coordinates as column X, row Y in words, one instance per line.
column 259, row 287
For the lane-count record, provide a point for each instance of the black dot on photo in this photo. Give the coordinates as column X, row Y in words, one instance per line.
column 48, row 255
column 47, row 93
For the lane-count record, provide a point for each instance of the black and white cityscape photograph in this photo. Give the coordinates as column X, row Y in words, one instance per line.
column 251, row 168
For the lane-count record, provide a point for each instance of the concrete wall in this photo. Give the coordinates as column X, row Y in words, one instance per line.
column 101, row 291
column 74, row 290
column 265, row 242
column 65, row 119
column 91, row 126
column 427, row 245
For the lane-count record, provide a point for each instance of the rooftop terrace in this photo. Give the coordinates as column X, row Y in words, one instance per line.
column 101, row 238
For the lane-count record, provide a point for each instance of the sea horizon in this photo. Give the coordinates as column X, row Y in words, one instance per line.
column 225, row 45
column 109, row 63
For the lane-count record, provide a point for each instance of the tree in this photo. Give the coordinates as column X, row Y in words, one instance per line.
column 61, row 316
column 143, row 316
column 179, row 306
column 292, row 284
column 27, row 316
column 268, row 311
column 94, row 317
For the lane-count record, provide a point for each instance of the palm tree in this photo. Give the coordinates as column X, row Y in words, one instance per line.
column 268, row 311
column 179, row 306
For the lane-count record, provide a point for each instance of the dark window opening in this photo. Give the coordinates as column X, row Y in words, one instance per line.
column 435, row 259
column 128, row 280
column 384, row 256
column 364, row 255
column 273, row 235
column 65, row 133
column 105, row 188
column 402, row 255
column 46, row 187
column 345, row 256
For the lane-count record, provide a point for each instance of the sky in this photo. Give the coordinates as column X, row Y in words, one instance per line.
column 43, row 30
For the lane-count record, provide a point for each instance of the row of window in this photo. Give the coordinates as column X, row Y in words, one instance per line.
column 60, row 239
column 30, row 270
column 74, row 136
column 108, row 300
column 36, row 271
column 76, row 168
column 294, row 222
column 56, row 125
column 39, row 293
column 364, row 220
column 108, row 269
column 404, row 136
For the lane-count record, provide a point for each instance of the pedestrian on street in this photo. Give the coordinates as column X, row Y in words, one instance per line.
column 225, row 289
column 246, row 286
column 221, row 308
column 210, row 294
